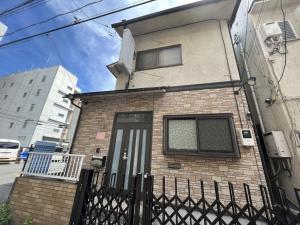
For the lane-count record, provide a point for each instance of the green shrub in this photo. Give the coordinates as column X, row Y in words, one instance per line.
column 28, row 221
column 5, row 214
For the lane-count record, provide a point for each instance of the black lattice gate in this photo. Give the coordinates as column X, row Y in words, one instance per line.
column 97, row 204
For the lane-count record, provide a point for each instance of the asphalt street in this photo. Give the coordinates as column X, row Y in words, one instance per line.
column 8, row 173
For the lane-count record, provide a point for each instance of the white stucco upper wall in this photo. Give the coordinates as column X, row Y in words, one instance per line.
column 203, row 56
column 290, row 83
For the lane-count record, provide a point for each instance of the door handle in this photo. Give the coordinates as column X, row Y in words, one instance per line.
column 125, row 155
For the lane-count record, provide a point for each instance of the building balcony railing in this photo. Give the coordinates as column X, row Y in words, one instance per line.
column 53, row 165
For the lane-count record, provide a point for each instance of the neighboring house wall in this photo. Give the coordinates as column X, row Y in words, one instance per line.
column 39, row 96
column 284, row 113
column 98, row 115
column 203, row 56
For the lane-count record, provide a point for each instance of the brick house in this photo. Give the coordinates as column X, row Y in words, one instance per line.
column 174, row 111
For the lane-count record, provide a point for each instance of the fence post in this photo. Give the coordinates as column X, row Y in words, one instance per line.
column 136, row 201
column 147, row 199
column 85, row 180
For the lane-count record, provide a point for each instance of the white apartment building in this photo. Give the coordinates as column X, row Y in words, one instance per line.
column 32, row 107
column 260, row 36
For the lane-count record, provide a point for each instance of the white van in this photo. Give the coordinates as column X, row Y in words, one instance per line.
column 9, row 150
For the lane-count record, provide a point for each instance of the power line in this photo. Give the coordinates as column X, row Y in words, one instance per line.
column 21, row 7
column 51, row 18
column 25, row 8
column 285, row 48
column 74, row 23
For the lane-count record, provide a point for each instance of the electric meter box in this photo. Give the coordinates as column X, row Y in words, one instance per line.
column 246, row 138
column 276, row 145
column 270, row 30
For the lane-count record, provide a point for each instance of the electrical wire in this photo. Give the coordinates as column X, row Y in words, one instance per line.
column 21, row 7
column 75, row 23
column 230, row 74
column 285, row 49
column 51, row 18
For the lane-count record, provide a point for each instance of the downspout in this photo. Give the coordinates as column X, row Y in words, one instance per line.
column 71, row 97
column 252, row 92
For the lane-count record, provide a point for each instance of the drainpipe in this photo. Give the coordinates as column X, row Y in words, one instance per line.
column 253, row 93
column 77, row 124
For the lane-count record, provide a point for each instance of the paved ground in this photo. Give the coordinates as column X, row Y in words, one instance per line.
column 8, row 172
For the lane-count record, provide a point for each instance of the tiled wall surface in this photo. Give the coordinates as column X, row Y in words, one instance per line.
column 98, row 115
column 47, row 202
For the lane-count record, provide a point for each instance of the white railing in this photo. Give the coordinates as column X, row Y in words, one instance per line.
column 54, row 165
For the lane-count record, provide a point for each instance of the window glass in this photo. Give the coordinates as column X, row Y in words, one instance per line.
column 30, row 82
column 55, row 130
column 12, row 84
column 61, row 115
column 182, row 134
column 5, row 97
column 38, row 92
column 159, row 57
column 69, row 88
column 214, row 135
column 9, row 145
column 24, row 94
column 44, row 78
column 3, row 84
column 25, row 124
column 211, row 134
column 170, row 56
column 147, row 60
column 134, row 118
column 11, row 125
column 18, row 109
column 65, row 100
column 31, row 107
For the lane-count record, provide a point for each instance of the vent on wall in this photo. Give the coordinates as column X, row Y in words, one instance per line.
column 290, row 34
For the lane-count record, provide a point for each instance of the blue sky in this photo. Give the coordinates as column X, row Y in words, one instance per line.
column 85, row 49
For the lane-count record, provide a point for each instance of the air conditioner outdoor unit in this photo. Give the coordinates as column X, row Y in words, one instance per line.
column 276, row 145
column 270, row 30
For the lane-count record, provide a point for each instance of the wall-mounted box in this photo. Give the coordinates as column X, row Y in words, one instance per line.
column 246, row 138
column 276, row 145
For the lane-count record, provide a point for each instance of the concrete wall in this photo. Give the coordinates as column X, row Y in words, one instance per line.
column 203, row 56
column 98, row 116
column 284, row 113
column 47, row 202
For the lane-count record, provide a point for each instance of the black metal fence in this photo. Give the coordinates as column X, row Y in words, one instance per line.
column 97, row 204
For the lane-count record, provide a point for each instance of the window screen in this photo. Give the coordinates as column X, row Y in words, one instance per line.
column 209, row 134
column 159, row 57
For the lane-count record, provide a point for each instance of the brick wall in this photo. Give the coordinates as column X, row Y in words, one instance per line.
column 47, row 202
column 98, row 115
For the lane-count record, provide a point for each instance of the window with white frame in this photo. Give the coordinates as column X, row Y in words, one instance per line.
column 209, row 134
column 159, row 57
